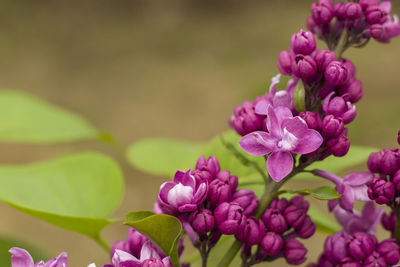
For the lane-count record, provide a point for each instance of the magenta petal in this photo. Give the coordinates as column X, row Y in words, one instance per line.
column 296, row 126
column 360, row 192
column 258, row 143
column 282, row 98
column 279, row 165
column 262, row 107
column 347, row 200
column 20, row 258
column 358, row 178
column 310, row 142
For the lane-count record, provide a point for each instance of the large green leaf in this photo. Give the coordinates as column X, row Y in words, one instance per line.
column 161, row 156
column 7, row 243
column 164, row 230
column 76, row 192
column 27, row 119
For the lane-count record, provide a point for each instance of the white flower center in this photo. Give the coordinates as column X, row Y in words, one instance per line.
column 180, row 194
column 288, row 142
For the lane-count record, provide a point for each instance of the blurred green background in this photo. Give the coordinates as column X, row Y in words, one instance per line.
column 161, row 68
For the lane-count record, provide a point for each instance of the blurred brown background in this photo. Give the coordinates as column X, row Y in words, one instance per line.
column 161, row 68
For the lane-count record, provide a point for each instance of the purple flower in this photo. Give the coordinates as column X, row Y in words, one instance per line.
column 294, row 251
column 313, row 119
column 323, row 57
column 285, row 62
column 272, row 243
column 247, row 200
column 389, row 250
column 295, row 215
column 380, row 190
column 336, row 73
column 244, row 119
column 303, row 42
column 229, row 218
column 365, row 222
column 304, row 67
column 148, row 255
column 286, row 134
column 390, row 162
column 332, row 127
column 274, row 221
column 207, row 169
column 375, row 15
column 352, row 187
column 221, row 189
column 353, row 89
column 361, row 245
column 374, row 161
column 336, row 246
column 133, row 244
column 322, row 13
column 389, row 221
column 183, row 194
column 375, row 260
column 339, row 146
column 352, row 11
column 339, row 107
column 21, row 258
column 202, row 221
column 252, row 233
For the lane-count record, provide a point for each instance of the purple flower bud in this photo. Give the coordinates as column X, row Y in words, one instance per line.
column 229, row 218
column 353, row 89
column 389, row 221
column 332, row 127
column 313, row 119
column 390, row 163
column 389, row 250
column 183, row 194
column 375, row 15
column 336, row 246
column 361, row 245
column 247, row 200
column 202, row 221
column 380, row 190
column 121, row 245
column 377, row 32
column 374, row 260
column 152, row 263
column 304, row 67
column 274, row 221
column 348, row 64
column 374, row 161
column 396, row 181
column 299, row 201
column 135, row 241
column 306, row 229
column 252, row 233
column 219, row 192
column 279, row 204
column 366, row 3
column 322, row 13
column 323, row 58
column 349, row 262
column 272, row 243
column 303, row 43
column 229, row 179
column 208, row 169
column 352, row 11
column 295, row 215
column 339, row 107
column 294, row 251
column 339, row 146
column 339, row 11
column 285, row 62
column 244, row 119
column 336, row 73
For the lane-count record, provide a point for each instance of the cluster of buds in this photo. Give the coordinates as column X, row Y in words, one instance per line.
column 357, row 21
column 138, row 250
column 358, row 249
column 282, row 223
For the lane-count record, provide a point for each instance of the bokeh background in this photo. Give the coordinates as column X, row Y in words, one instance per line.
column 161, row 68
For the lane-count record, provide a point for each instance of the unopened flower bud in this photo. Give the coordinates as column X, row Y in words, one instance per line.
column 366, row 3
column 303, row 43
column 229, row 179
column 374, row 161
column 152, row 263
column 375, row 15
column 352, row 11
column 247, row 200
column 279, row 204
column 322, row 13
column 336, row 246
column 361, row 245
column 299, row 201
column 377, row 32
column 332, row 127
column 285, row 62
column 274, row 221
column 336, row 73
column 306, row 229
column 348, row 64
column 313, row 119
column 229, row 218
column 272, row 243
column 380, row 190
column 353, row 89
column 295, row 215
column 304, row 67
column 323, row 58
column 218, row 192
column 252, row 233
column 294, row 251
column 202, row 221
column 374, row 260
column 244, row 119
column 389, row 221
column 389, row 250
column 209, row 168
column 339, row 146
column 390, row 163
column 339, row 107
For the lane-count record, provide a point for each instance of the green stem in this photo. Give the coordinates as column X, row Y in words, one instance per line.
column 230, row 255
column 102, row 243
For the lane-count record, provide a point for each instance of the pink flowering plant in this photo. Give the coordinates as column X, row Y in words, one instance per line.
column 231, row 198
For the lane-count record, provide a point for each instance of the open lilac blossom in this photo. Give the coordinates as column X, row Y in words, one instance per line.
column 21, row 258
column 183, row 194
column 286, row 134
column 353, row 222
column 352, row 187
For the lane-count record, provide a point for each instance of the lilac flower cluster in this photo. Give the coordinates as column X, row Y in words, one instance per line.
column 283, row 221
column 357, row 22
column 22, row 258
column 357, row 250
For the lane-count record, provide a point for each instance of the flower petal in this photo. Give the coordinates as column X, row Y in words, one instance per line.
column 358, row 178
column 262, row 106
column 275, row 118
column 21, row 258
column 279, row 165
column 310, row 142
column 122, row 258
column 258, row 143
column 347, row 200
column 296, row 126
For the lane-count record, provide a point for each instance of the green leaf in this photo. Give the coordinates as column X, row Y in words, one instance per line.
column 324, row 193
column 323, row 221
column 76, row 192
column 161, row 156
column 299, row 96
column 356, row 155
column 164, row 230
column 25, row 118
column 7, row 243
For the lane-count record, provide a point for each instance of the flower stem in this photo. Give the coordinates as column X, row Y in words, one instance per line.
column 230, row 255
column 102, row 243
